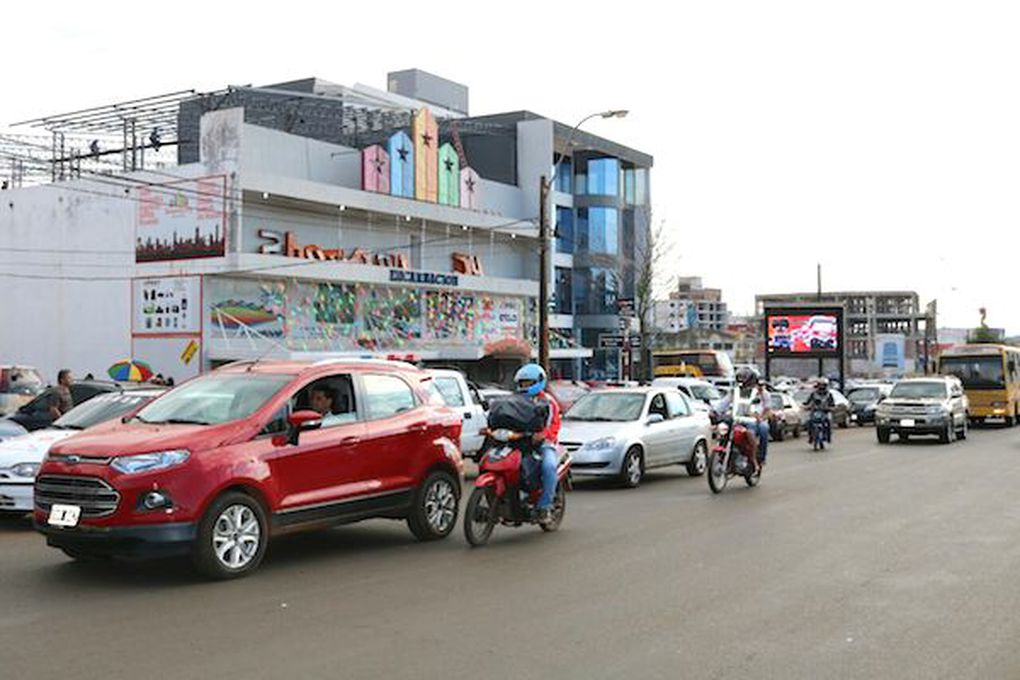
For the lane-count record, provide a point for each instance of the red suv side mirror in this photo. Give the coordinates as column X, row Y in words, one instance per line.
column 300, row 421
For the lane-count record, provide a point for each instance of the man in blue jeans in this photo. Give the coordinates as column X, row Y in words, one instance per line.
column 531, row 380
column 752, row 410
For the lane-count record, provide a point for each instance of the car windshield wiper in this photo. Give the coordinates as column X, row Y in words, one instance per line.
column 182, row 421
column 67, row 427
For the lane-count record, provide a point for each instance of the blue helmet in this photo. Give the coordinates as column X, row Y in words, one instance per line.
column 533, row 375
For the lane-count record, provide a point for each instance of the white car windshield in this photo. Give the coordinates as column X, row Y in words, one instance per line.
column 919, row 390
column 100, row 409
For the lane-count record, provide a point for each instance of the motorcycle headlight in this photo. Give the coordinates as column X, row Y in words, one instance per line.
column 149, row 462
column 601, row 444
column 25, row 469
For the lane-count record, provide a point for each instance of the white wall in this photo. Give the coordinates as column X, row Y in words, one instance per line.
column 56, row 231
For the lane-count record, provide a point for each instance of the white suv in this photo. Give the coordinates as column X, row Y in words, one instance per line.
column 924, row 406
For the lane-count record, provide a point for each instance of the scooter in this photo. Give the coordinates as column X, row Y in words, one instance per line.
column 499, row 497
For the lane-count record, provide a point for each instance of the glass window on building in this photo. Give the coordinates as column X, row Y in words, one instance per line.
column 641, row 186
column 603, row 291
column 564, row 176
column 564, row 291
column 604, row 230
column 628, row 186
column 564, row 230
column 604, row 177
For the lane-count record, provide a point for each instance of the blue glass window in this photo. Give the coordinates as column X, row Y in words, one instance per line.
column 603, row 230
column 604, row 177
column 564, row 230
column 564, row 291
column 564, row 177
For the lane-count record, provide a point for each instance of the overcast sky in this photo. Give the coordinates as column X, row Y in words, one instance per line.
column 881, row 139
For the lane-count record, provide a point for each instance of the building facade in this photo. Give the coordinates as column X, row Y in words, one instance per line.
column 309, row 219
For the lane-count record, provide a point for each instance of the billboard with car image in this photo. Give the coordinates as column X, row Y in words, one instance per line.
column 808, row 332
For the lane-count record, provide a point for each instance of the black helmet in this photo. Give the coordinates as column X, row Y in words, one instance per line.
column 746, row 377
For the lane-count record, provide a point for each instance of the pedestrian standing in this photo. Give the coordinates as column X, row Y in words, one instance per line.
column 60, row 399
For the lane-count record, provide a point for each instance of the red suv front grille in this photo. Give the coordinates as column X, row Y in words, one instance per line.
column 95, row 497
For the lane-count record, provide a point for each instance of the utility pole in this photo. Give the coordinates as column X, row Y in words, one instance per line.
column 821, row 362
column 543, row 273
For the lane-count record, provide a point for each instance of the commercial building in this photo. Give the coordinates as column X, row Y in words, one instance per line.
column 885, row 331
column 309, row 219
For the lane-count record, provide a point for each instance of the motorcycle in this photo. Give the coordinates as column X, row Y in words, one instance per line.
column 729, row 459
column 500, row 497
column 819, row 429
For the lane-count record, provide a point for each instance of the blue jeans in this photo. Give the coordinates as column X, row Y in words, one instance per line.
column 762, row 430
column 547, row 466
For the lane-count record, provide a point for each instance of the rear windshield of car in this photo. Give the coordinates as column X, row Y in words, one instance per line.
column 215, row 399
column 607, row 406
column 919, row 390
column 100, row 409
column 863, row 395
column 704, row 392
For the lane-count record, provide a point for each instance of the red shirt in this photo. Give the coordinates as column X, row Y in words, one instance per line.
column 551, row 433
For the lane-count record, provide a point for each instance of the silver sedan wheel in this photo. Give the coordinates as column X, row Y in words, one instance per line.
column 633, row 469
column 700, row 458
column 236, row 537
column 440, row 505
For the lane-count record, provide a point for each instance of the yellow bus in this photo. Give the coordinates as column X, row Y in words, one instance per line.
column 696, row 363
column 991, row 378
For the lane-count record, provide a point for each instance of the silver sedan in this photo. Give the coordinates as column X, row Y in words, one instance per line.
column 622, row 433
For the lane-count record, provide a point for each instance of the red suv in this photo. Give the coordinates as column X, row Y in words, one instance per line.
column 252, row 450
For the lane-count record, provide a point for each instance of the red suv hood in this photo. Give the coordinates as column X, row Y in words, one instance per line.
column 119, row 439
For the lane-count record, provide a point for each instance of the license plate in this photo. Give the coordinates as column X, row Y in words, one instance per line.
column 907, row 422
column 64, row 515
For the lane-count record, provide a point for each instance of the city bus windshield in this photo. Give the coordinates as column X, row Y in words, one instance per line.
column 980, row 372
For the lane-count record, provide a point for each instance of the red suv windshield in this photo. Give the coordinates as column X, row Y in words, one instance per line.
column 215, row 399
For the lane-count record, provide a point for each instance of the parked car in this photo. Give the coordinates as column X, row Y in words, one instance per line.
column 924, row 406
column 21, row 457
column 217, row 466
column 624, row 432
column 864, row 399
column 702, row 394
column 786, row 416
column 9, row 429
column 36, row 415
column 18, row 385
column 463, row 398
column 840, row 414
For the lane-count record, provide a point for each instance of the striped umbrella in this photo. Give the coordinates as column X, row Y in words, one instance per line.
column 137, row 371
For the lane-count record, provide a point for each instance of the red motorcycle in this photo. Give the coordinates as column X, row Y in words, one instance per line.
column 499, row 496
column 731, row 457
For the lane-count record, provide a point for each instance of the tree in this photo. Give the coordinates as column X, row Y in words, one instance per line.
column 651, row 253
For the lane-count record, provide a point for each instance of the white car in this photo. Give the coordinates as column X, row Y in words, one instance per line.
column 465, row 400
column 21, row 457
column 702, row 395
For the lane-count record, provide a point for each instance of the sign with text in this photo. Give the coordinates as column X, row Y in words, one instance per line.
column 167, row 305
column 607, row 341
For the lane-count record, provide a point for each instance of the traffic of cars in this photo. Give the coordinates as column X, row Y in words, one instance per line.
column 216, row 467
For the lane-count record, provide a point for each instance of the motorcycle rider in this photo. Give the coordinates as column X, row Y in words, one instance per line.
column 531, row 380
column 822, row 400
column 753, row 415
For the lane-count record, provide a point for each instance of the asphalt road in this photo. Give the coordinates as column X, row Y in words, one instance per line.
column 897, row 561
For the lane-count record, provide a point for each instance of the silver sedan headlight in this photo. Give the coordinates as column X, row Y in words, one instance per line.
column 601, row 444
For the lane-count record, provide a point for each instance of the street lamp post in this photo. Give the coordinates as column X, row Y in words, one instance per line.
column 545, row 185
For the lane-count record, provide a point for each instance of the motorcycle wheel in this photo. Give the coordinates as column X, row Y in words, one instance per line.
column 716, row 473
column 480, row 516
column 753, row 479
column 559, row 509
